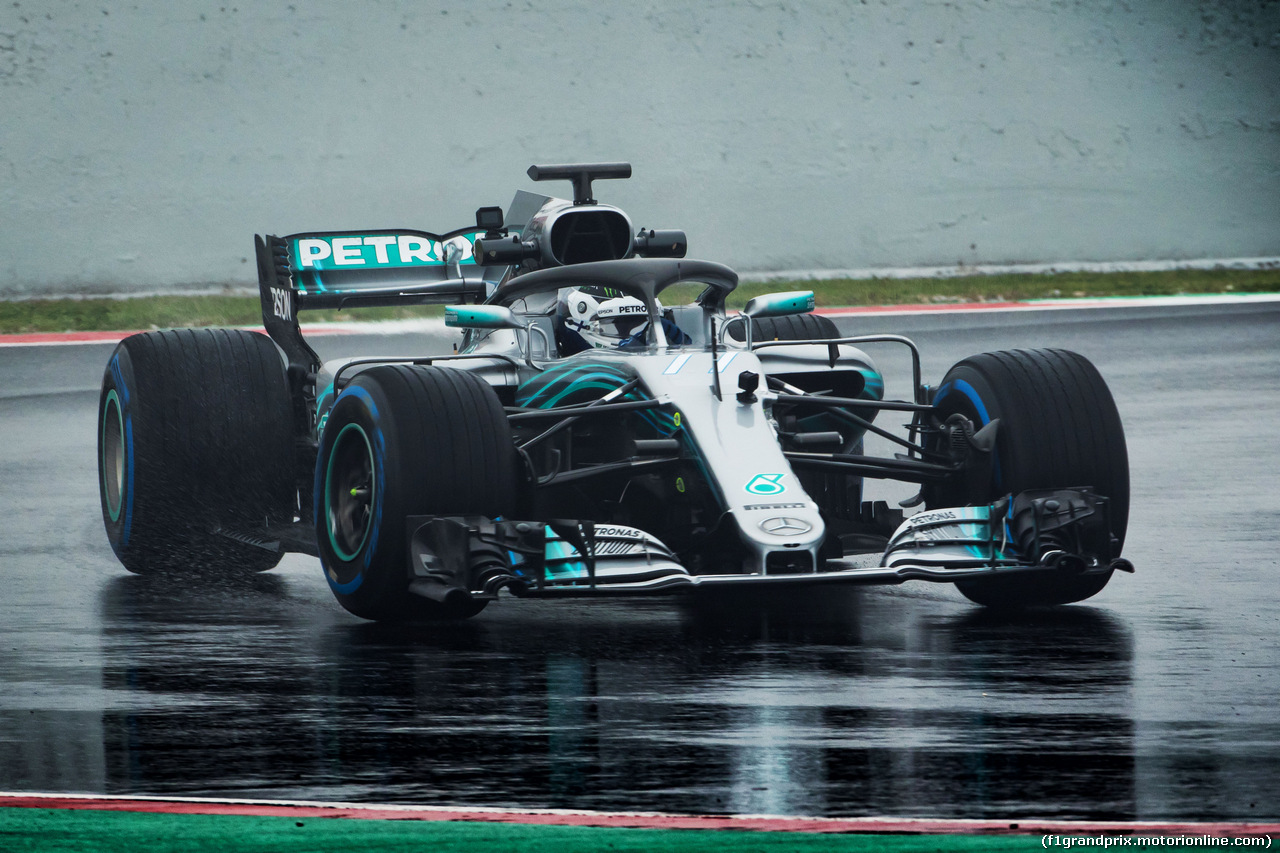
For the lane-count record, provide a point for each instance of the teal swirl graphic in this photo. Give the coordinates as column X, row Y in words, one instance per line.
column 585, row 381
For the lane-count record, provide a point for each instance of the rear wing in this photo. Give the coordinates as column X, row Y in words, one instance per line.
column 342, row 269
column 360, row 269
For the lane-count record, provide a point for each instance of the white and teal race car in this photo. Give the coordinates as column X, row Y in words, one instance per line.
column 605, row 427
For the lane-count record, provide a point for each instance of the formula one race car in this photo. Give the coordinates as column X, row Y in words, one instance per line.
column 604, row 427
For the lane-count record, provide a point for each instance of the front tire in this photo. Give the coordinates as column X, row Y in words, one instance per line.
column 194, row 435
column 1059, row 428
column 401, row 441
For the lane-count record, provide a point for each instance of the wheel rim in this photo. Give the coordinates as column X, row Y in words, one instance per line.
column 113, row 462
column 350, row 490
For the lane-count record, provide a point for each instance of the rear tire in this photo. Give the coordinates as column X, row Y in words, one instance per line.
column 796, row 327
column 1059, row 428
column 400, row 441
column 194, row 434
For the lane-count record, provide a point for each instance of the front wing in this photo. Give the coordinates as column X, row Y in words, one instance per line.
column 1065, row 530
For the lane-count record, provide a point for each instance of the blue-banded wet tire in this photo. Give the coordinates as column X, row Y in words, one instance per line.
column 403, row 440
column 195, row 436
column 1059, row 428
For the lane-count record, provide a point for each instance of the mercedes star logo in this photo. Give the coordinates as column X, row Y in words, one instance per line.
column 785, row 526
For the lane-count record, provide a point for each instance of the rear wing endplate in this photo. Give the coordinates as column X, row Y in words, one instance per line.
column 328, row 269
column 332, row 270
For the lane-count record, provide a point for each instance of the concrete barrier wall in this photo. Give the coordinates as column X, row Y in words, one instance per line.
column 142, row 144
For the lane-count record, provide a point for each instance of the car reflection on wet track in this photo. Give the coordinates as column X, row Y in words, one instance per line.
column 802, row 706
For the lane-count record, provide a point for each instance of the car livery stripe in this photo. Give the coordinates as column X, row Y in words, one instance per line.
column 723, row 363
column 580, row 383
column 872, row 385
column 677, row 363
column 544, row 382
column 325, row 395
column 564, row 381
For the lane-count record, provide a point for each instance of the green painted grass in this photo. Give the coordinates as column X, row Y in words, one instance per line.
column 166, row 312
column 90, row 315
column 85, row 831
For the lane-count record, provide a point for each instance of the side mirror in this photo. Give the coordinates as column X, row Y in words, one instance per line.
column 481, row 317
column 780, row 304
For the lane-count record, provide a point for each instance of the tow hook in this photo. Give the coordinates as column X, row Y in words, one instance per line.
column 1064, row 561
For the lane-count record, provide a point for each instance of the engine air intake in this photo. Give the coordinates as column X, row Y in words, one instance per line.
column 584, row 236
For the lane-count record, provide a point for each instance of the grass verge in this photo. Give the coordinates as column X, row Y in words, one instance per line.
column 1016, row 287
column 90, row 315
column 73, row 831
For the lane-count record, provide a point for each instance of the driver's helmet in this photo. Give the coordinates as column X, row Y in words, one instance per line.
column 604, row 317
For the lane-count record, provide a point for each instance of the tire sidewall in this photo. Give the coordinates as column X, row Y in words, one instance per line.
column 373, row 571
column 118, row 387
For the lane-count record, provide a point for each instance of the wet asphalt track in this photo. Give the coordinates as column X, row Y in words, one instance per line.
column 1157, row 699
